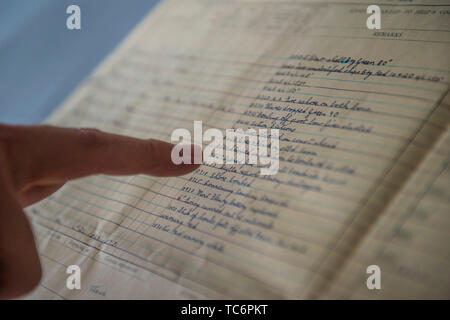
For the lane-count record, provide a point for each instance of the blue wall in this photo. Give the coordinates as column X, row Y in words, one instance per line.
column 41, row 61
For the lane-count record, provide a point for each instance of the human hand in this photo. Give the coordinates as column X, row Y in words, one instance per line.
column 35, row 161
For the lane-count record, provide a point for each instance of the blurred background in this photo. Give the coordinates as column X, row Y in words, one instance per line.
column 41, row 61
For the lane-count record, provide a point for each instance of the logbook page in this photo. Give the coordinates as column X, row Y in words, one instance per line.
column 349, row 104
column 409, row 242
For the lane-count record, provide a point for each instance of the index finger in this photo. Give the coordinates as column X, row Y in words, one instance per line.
column 48, row 154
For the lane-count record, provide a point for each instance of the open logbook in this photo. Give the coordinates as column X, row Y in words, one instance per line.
column 364, row 140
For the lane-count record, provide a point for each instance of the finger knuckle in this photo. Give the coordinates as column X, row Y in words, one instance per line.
column 92, row 138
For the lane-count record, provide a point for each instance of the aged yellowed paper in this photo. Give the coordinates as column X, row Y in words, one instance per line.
column 364, row 153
